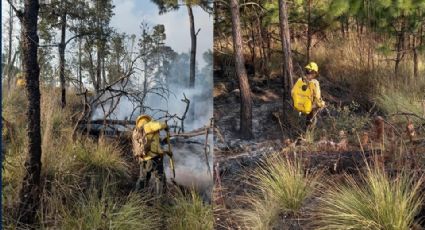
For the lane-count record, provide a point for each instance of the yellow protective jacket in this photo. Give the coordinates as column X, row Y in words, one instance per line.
column 152, row 130
column 306, row 100
column 317, row 97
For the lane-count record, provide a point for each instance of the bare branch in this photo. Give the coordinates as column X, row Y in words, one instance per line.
column 18, row 13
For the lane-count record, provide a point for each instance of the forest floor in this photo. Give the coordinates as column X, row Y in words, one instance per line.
column 333, row 147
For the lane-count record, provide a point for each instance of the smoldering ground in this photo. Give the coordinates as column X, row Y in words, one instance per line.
column 191, row 166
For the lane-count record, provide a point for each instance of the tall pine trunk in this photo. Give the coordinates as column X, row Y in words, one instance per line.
column 287, row 68
column 399, row 49
column 253, row 44
column 309, row 32
column 245, row 91
column 31, row 188
column 9, row 52
column 80, row 74
column 98, row 68
column 415, row 59
column 62, row 61
column 192, row 47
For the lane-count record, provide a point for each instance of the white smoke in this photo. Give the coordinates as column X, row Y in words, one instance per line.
column 190, row 162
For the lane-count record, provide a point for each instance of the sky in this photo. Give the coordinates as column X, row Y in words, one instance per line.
column 130, row 13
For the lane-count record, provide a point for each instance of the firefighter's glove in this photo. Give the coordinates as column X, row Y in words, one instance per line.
column 321, row 104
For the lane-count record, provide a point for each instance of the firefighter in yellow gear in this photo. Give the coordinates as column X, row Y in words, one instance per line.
column 147, row 149
column 306, row 94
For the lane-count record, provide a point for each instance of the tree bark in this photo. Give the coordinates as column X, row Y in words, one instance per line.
column 92, row 71
column 31, row 188
column 287, row 68
column 192, row 47
column 98, row 68
column 400, row 43
column 104, row 71
column 253, row 44
column 245, row 91
column 80, row 74
column 415, row 59
column 309, row 32
column 9, row 53
column 62, row 60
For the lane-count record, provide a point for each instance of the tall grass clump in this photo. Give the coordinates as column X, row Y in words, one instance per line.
column 100, row 162
column 189, row 211
column 376, row 201
column 108, row 212
column 262, row 213
column 283, row 187
column 401, row 100
column 286, row 182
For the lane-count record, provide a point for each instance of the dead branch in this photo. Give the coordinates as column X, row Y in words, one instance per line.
column 189, row 134
column 187, row 101
column 112, row 122
column 206, row 144
column 19, row 13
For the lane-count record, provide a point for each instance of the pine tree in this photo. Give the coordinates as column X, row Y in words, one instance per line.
column 169, row 5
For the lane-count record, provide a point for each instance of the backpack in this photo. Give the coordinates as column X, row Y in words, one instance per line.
column 302, row 96
column 141, row 144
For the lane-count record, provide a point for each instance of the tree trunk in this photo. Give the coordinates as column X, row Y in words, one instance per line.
column 145, row 81
column 31, row 188
column 9, row 53
column 104, row 71
column 62, row 61
column 92, row 71
column 253, row 42
column 400, row 41
column 192, row 47
column 260, row 44
column 309, row 32
column 98, row 68
column 80, row 74
column 415, row 59
column 245, row 91
column 287, row 68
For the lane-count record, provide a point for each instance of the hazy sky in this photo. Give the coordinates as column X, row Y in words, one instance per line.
column 130, row 13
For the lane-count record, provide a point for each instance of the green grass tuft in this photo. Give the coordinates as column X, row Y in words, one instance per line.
column 375, row 202
column 283, row 187
column 189, row 211
column 108, row 212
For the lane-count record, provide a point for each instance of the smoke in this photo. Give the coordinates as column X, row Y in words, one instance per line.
column 191, row 167
column 176, row 81
column 189, row 155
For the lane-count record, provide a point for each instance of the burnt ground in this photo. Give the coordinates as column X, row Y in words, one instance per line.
column 234, row 158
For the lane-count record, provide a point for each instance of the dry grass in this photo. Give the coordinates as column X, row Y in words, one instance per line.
column 189, row 211
column 109, row 212
column 283, row 187
column 376, row 201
